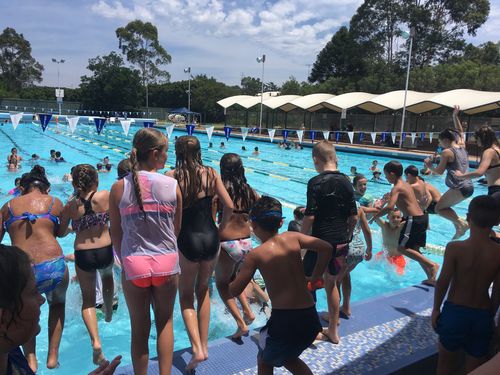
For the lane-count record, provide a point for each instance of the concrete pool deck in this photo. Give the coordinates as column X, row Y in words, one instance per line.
column 385, row 334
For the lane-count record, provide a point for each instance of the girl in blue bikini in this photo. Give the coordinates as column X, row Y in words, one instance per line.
column 32, row 221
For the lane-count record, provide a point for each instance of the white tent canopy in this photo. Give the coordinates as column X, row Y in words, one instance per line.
column 470, row 101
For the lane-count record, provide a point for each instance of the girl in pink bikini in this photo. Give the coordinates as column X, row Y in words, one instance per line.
column 145, row 211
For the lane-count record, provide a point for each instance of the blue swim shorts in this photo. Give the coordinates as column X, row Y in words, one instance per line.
column 49, row 274
column 465, row 327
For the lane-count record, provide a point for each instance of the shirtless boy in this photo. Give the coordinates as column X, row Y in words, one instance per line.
column 427, row 195
column 391, row 231
column 470, row 266
column 413, row 234
column 294, row 322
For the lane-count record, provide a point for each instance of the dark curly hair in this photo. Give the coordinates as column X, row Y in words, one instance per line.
column 84, row 177
column 15, row 271
column 36, row 178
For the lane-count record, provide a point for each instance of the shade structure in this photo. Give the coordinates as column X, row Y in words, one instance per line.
column 231, row 100
column 470, row 101
column 349, row 100
column 310, row 103
column 280, row 102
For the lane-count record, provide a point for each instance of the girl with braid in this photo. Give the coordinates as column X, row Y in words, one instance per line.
column 89, row 215
column 198, row 240
column 235, row 238
column 145, row 209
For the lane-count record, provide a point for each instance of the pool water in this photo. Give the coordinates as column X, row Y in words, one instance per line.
column 280, row 173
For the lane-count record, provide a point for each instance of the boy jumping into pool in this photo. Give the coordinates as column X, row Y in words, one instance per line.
column 294, row 322
column 413, row 234
column 470, row 266
column 391, row 231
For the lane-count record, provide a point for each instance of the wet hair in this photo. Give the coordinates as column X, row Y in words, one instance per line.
column 15, row 271
column 487, row 137
column 222, row 143
column 411, row 170
column 267, row 213
column 299, row 212
column 35, row 178
column 256, row 148
column 58, row 154
column 108, row 167
column 232, row 173
column 123, row 169
column 394, row 167
column 448, row 134
column 145, row 141
column 324, row 151
column 12, row 149
column 353, row 167
column 84, row 177
column 17, row 180
column 357, row 178
column 99, row 166
column 189, row 168
column 52, row 151
column 484, row 211
column 243, row 148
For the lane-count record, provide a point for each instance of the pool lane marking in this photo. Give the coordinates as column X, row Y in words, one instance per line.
column 264, row 173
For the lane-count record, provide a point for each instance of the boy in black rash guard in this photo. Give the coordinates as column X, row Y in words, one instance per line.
column 294, row 323
column 332, row 213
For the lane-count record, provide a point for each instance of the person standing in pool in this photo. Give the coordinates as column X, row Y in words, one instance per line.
column 32, row 221
column 89, row 215
column 413, row 234
column 145, row 211
column 14, row 160
column 235, row 238
column 198, row 240
column 490, row 161
column 332, row 214
column 454, row 158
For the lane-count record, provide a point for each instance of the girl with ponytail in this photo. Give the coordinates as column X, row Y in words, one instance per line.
column 89, row 215
column 235, row 238
column 198, row 240
column 455, row 161
column 145, row 214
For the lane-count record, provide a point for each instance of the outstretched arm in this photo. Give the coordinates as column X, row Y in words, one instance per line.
column 458, row 125
column 486, row 159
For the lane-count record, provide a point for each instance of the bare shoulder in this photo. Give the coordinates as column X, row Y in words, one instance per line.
column 170, row 173
column 102, row 194
column 447, row 153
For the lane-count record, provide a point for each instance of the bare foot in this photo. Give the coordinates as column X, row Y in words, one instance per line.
column 460, row 229
column 108, row 315
column 32, row 362
column 248, row 318
column 326, row 336
column 52, row 360
column 195, row 360
column 97, row 356
column 344, row 314
column 429, row 282
column 241, row 331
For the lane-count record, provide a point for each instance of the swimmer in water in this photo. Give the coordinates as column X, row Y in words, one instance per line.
column 14, row 160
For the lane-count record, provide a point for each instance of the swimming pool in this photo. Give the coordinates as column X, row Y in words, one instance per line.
column 276, row 172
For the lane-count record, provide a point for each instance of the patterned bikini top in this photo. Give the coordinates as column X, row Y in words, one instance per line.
column 90, row 218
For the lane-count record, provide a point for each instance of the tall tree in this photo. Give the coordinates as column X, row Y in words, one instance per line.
column 341, row 56
column 139, row 42
column 112, row 86
column 251, row 85
column 18, row 69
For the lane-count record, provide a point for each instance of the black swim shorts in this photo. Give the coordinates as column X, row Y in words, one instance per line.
column 414, row 232
column 287, row 334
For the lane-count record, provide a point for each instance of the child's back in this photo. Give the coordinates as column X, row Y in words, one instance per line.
column 476, row 265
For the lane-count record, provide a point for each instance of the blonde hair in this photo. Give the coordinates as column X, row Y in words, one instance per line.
column 324, row 151
column 145, row 141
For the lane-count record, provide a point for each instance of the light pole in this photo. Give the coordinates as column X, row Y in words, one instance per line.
column 412, row 34
column 59, row 94
column 188, row 72
column 262, row 60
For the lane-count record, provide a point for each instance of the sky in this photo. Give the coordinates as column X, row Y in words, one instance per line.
column 214, row 37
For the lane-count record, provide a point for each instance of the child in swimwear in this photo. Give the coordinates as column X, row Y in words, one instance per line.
column 469, row 268
column 16, row 191
column 414, row 232
column 391, row 230
column 294, row 322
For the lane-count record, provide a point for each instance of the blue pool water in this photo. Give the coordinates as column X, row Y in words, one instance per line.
column 276, row 172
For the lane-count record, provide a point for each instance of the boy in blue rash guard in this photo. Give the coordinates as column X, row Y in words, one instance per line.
column 470, row 266
column 294, row 322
